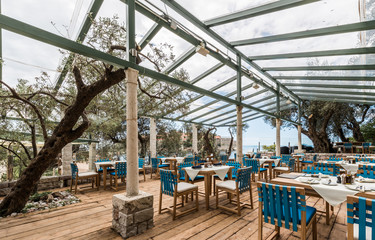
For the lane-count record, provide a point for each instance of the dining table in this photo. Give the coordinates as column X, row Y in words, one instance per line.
column 327, row 188
column 208, row 172
column 104, row 166
column 298, row 165
column 269, row 161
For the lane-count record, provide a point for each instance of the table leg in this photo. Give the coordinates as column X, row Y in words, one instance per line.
column 270, row 170
column 206, row 190
column 298, row 165
column 105, row 177
column 327, row 213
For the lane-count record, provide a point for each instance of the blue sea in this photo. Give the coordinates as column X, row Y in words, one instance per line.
column 247, row 148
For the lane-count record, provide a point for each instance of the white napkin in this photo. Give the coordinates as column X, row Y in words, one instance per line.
column 221, row 171
column 192, row 172
column 334, row 195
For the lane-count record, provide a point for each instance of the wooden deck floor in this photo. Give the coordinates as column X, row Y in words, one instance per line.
column 92, row 219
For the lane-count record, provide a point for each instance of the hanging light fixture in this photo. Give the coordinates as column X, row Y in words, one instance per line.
column 255, row 86
column 201, row 48
column 288, row 101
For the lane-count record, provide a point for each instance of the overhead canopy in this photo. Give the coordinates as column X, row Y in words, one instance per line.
column 257, row 53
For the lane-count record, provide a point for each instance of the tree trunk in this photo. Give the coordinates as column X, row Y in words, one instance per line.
column 10, row 167
column 143, row 142
column 64, row 133
column 231, row 143
column 208, row 148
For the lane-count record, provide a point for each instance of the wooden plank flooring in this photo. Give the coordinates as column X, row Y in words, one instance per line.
column 92, row 219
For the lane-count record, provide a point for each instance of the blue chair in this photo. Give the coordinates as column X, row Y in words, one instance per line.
column 120, row 172
column 100, row 169
column 285, row 206
column 224, row 158
column 141, row 167
column 366, row 147
column 361, row 218
column 181, row 173
column 348, row 147
column 236, row 187
column 78, row 176
column 189, row 159
column 289, row 168
column 366, row 171
column 170, row 186
column 236, row 166
column 258, row 155
column 155, row 166
column 255, row 168
column 324, row 168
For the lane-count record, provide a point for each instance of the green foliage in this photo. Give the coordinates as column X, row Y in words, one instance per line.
column 368, row 131
column 270, row 148
column 37, row 196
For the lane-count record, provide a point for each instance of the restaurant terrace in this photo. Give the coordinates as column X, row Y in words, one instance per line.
column 236, row 62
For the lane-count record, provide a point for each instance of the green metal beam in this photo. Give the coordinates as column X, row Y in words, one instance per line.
column 339, row 52
column 206, row 73
column 27, row 30
column 256, row 11
column 224, row 106
column 149, row 35
column 321, row 68
column 297, row 91
column 329, row 86
column 239, row 76
column 338, row 100
column 188, row 16
column 338, row 97
column 130, row 31
column 278, row 101
column 353, row 27
column 180, row 60
column 85, row 27
column 328, row 78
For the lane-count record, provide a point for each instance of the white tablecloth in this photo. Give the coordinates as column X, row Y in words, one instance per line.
column 263, row 160
column 335, row 195
column 98, row 164
column 220, row 171
column 179, row 159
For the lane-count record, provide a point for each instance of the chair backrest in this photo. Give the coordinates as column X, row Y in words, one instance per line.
column 168, row 181
column 180, row 167
column 74, row 168
column 366, row 145
column 244, row 179
column 348, row 145
column 274, row 199
column 161, row 156
column 189, row 159
column 120, row 169
column 253, row 163
column 361, row 211
column 141, row 162
column 315, row 158
column 154, row 163
column 275, row 157
column 324, row 168
column 285, row 159
column 103, row 160
column 223, row 158
column 366, row 171
column 291, row 164
column 258, row 155
column 236, row 165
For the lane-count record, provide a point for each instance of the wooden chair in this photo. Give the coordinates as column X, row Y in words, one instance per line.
column 236, row 165
column 366, row 147
column 361, row 218
column 120, row 172
column 255, row 168
column 155, row 165
column 348, row 147
column 274, row 199
column 289, row 168
column 236, row 187
column 79, row 176
column 141, row 167
column 170, row 186
column 366, row 171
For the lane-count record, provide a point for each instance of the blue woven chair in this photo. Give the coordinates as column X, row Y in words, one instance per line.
column 182, row 175
column 305, row 163
column 236, row 187
column 141, row 167
column 78, row 176
column 361, row 218
column 100, row 169
column 366, row 147
column 289, row 168
column 170, row 186
column 224, row 158
column 155, row 165
column 348, row 147
column 285, row 207
column 120, row 172
column 189, row 159
column 255, row 168
column 258, row 155
column 236, row 165
column 366, row 171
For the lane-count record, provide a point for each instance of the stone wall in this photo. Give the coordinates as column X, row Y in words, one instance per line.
column 45, row 183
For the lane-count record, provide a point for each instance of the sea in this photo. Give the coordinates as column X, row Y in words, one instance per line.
column 246, row 149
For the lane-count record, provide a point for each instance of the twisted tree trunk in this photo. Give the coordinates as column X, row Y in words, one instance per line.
column 64, row 133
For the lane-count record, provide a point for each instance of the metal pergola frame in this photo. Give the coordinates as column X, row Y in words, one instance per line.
column 274, row 86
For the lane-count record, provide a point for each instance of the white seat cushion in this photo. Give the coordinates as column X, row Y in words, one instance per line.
column 230, row 184
column 184, row 186
column 282, row 168
column 356, row 232
column 87, row 174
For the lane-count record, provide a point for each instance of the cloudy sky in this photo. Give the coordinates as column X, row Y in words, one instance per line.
column 26, row 58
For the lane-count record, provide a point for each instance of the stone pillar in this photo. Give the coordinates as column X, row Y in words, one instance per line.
column 152, row 138
column 92, row 156
column 239, row 134
column 278, row 124
column 66, row 159
column 132, row 177
column 299, row 138
column 195, row 139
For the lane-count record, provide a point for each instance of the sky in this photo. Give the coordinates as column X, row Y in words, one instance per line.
column 25, row 58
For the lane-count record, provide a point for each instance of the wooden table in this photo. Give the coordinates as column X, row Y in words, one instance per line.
column 104, row 166
column 269, row 162
column 311, row 192
column 207, row 173
column 298, row 168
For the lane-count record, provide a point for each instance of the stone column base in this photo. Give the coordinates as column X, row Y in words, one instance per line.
column 132, row 215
